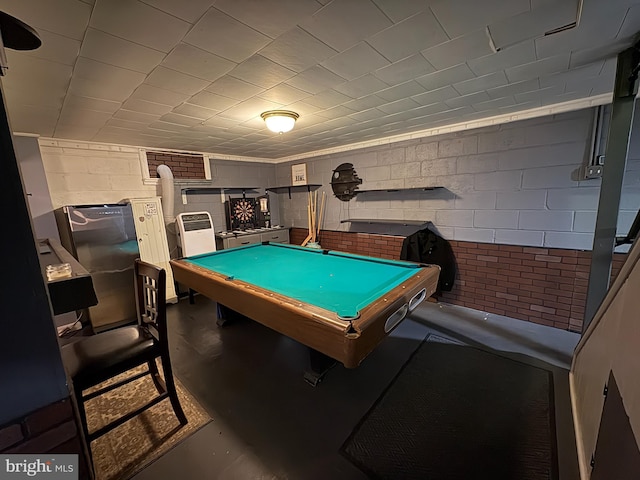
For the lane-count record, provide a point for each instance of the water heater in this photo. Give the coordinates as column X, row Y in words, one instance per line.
column 195, row 233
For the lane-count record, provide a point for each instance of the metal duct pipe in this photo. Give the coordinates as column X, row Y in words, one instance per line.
column 166, row 183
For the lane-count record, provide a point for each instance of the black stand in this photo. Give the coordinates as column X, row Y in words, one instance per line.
column 319, row 365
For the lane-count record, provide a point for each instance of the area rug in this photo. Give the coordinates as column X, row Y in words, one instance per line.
column 458, row 412
column 129, row 448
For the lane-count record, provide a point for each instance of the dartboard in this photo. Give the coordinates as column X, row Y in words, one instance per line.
column 244, row 210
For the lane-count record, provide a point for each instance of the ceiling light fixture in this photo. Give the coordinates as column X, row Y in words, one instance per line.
column 279, row 121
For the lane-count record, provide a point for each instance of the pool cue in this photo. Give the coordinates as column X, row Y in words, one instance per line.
column 306, row 240
column 314, row 211
column 321, row 214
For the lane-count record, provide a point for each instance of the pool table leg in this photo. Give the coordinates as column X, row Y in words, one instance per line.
column 319, row 365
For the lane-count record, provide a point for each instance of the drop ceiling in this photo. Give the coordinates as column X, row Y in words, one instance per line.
column 195, row 75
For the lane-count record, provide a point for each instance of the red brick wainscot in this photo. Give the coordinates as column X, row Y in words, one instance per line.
column 51, row 429
column 547, row 286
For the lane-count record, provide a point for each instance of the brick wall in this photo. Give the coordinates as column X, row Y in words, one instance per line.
column 382, row 246
column 182, row 166
column 547, row 286
column 51, row 429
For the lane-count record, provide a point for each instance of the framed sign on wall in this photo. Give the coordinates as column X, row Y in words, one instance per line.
column 299, row 174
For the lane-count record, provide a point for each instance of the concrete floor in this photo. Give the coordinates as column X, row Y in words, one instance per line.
column 268, row 423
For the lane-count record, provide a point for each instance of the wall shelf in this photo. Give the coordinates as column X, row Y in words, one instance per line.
column 212, row 190
column 372, row 221
column 391, row 190
column 288, row 188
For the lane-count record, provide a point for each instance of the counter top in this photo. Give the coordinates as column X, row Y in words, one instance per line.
column 70, row 293
column 252, row 231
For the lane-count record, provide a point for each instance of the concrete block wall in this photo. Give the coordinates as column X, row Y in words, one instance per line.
column 80, row 173
column 509, row 184
column 228, row 174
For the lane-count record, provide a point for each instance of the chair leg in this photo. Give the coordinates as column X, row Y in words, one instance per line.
column 155, row 375
column 171, row 389
column 77, row 393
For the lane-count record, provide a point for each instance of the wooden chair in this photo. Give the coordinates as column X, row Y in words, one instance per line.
column 97, row 358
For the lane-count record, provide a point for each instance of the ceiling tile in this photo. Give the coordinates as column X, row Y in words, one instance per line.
column 261, row 71
column 271, row 17
column 195, row 111
column 159, row 95
column 403, row 70
column 328, row 99
column 169, row 79
column 29, row 118
column 436, row 96
column 404, row 90
column 142, row 106
column 139, row 117
column 106, row 48
column 445, row 77
column 533, row 24
column 180, row 119
column 78, row 132
column 198, row 63
column 121, row 123
column 218, row 33
column 398, row 106
column 248, row 109
column 513, row 88
column 459, row 17
column 590, row 70
column 82, row 117
column 139, row 23
column 537, row 69
column 398, row 11
column 509, row 57
column 30, row 72
column 55, row 48
column 631, row 24
column 68, row 18
column 234, row 88
column 605, row 52
column 297, row 50
column 409, row 36
column 189, row 11
column 464, row 100
column 459, row 50
column 606, row 21
column 537, row 95
column 481, row 83
column 74, row 101
column 283, row 94
column 315, row 80
column 494, row 104
column 362, row 86
column 212, row 101
column 355, row 62
column 336, row 26
column 16, row 98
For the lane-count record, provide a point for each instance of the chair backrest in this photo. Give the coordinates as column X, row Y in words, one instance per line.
column 151, row 299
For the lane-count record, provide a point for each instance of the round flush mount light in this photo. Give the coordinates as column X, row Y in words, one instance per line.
column 279, row 121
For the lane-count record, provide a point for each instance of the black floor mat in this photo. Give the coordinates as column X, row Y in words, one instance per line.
column 457, row 412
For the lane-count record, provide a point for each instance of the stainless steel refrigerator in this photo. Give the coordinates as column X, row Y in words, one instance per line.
column 103, row 239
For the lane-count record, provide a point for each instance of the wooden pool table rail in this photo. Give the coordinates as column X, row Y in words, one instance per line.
column 348, row 341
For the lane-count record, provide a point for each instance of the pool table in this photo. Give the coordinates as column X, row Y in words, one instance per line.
column 339, row 304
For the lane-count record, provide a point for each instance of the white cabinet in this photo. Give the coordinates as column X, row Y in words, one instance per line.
column 274, row 235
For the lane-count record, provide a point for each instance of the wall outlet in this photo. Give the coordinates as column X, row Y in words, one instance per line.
column 594, row 171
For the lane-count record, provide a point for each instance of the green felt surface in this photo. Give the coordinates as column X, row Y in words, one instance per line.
column 336, row 281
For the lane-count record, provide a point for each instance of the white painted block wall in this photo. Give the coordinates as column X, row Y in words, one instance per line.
column 509, row 184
